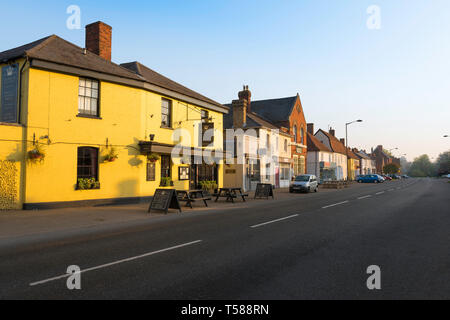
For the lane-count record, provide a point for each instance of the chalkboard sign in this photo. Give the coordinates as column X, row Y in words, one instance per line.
column 163, row 200
column 264, row 190
column 10, row 83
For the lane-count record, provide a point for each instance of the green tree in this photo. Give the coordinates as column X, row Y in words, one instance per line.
column 391, row 168
column 443, row 163
column 422, row 167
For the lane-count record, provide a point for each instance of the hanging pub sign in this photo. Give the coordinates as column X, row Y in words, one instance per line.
column 145, row 147
column 163, row 200
column 9, row 94
column 264, row 190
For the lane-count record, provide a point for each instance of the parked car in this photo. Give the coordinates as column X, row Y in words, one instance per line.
column 387, row 178
column 304, row 183
column 405, row 176
column 370, row 178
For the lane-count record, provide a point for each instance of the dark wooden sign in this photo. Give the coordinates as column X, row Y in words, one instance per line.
column 163, row 200
column 264, row 190
column 9, row 93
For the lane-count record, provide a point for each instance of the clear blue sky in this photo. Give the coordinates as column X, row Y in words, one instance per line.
column 396, row 79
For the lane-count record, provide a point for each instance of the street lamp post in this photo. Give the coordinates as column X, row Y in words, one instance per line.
column 346, row 131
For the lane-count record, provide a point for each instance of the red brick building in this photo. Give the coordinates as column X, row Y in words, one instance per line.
column 382, row 158
column 287, row 114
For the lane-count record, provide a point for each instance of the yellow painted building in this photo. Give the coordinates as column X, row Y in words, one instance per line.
column 88, row 130
column 353, row 165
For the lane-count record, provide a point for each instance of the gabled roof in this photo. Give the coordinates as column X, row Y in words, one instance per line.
column 253, row 121
column 361, row 154
column 335, row 144
column 274, row 109
column 314, row 144
column 351, row 155
column 158, row 79
column 57, row 50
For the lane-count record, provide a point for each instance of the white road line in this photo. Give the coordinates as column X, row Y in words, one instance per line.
column 273, row 221
column 398, row 188
column 116, row 262
column 391, row 189
column 379, row 193
column 336, row 204
column 365, row 197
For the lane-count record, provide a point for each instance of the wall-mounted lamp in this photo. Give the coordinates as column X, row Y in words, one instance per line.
column 152, row 137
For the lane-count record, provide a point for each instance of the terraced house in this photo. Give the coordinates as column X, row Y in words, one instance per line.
column 76, row 127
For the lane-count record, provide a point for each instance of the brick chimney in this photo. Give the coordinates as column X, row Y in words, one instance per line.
column 332, row 132
column 246, row 95
column 239, row 113
column 310, row 128
column 98, row 39
column 342, row 141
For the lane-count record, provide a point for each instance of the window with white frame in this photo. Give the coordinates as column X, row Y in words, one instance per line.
column 88, row 93
column 166, row 113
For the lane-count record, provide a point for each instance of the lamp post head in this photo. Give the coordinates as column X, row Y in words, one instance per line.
column 359, row 121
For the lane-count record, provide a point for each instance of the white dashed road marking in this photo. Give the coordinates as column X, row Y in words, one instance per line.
column 273, row 221
column 116, row 262
column 336, row 204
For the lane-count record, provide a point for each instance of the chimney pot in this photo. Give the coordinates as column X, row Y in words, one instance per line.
column 246, row 95
column 332, row 132
column 343, row 141
column 98, row 39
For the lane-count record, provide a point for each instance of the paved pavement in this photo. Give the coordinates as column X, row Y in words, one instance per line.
column 305, row 246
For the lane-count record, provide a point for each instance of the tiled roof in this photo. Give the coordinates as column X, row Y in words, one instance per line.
column 363, row 155
column 314, row 144
column 253, row 121
column 336, row 145
column 157, row 79
column 57, row 50
column 351, row 155
column 274, row 110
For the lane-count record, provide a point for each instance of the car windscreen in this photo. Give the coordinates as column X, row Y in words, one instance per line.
column 302, row 178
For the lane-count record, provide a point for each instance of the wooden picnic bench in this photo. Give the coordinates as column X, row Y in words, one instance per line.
column 190, row 196
column 230, row 194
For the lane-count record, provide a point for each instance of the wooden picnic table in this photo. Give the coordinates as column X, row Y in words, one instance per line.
column 230, row 194
column 190, row 196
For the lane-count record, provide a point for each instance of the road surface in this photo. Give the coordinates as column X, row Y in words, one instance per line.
column 314, row 246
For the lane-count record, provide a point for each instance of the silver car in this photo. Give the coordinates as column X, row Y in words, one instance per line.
column 304, row 183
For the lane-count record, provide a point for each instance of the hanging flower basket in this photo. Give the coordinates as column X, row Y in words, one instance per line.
column 152, row 157
column 111, row 156
column 36, row 155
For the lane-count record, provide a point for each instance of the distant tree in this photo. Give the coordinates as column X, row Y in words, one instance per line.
column 443, row 163
column 404, row 164
column 391, row 168
column 422, row 167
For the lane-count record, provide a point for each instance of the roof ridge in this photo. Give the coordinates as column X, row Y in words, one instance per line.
column 284, row 98
column 42, row 44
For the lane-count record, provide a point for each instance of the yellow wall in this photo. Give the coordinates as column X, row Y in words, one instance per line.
column 128, row 115
column 13, row 149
